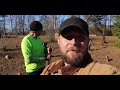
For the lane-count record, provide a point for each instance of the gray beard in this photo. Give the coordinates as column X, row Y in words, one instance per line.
column 79, row 61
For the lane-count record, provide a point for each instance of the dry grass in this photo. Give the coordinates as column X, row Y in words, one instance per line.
column 16, row 64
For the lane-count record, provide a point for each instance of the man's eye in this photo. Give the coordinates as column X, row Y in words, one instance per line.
column 82, row 38
column 69, row 37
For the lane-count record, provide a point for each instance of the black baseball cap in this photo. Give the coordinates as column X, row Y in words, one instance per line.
column 75, row 22
column 36, row 26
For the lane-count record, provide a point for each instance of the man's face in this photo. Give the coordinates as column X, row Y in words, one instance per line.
column 38, row 33
column 73, row 45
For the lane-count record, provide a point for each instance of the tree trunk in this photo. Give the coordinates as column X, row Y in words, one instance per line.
column 104, row 29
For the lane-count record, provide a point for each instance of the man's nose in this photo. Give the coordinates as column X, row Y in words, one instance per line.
column 73, row 41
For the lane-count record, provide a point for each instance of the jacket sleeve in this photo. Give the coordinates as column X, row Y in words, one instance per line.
column 27, row 54
column 98, row 69
column 103, row 69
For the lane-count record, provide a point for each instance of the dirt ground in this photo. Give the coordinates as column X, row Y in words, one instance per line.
column 108, row 54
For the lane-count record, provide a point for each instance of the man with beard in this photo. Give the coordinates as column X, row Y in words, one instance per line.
column 73, row 41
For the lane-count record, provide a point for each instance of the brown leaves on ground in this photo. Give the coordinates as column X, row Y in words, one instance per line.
column 15, row 66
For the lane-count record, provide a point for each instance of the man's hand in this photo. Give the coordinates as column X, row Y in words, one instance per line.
column 48, row 57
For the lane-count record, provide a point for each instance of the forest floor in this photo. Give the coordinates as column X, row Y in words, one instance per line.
column 16, row 64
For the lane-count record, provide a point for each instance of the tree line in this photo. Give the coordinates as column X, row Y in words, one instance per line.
column 19, row 24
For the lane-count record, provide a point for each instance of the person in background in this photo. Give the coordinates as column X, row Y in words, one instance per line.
column 48, row 51
column 75, row 59
column 33, row 50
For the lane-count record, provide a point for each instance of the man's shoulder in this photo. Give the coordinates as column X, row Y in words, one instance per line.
column 97, row 68
column 103, row 69
column 25, row 37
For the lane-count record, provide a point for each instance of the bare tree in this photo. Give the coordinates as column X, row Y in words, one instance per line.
column 49, row 24
column 104, row 28
column 29, row 20
column 3, row 31
column 111, row 19
column 11, row 22
column 23, row 24
column 52, row 28
column 4, row 22
column 16, row 24
column 59, row 20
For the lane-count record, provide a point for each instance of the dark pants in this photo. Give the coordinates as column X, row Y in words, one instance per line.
column 38, row 72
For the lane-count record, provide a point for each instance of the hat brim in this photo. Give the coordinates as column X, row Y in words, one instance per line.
column 79, row 28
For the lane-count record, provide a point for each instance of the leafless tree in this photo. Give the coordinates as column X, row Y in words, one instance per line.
column 3, row 31
column 104, row 28
column 11, row 22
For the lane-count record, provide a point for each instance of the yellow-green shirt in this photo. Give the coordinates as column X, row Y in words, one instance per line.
column 33, row 51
